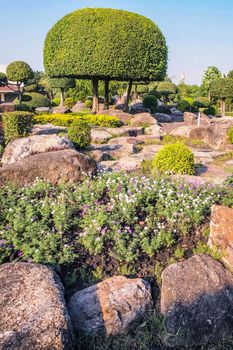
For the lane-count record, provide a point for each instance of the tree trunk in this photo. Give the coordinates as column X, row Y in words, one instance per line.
column 62, row 98
column 165, row 100
column 20, row 93
column 223, row 107
column 128, row 96
column 106, row 96
column 136, row 93
column 209, row 95
column 95, row 107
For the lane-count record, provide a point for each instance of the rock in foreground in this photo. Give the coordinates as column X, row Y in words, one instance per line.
column 111, row 306
column 33, row 314
column 55, row 167
column 197, row 302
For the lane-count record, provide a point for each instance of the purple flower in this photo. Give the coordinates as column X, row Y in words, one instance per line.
column 20, row 254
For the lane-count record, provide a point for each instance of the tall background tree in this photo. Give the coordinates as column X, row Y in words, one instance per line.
column 210, row 75
column 105, row 44
column 63, row 84
column 221, row 90
column 19, row 72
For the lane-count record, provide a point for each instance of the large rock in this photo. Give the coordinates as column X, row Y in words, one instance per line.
column 124, row 140
column 60, row 110
column 112, row 151
column 110, row 307
column 27, row 146
column 56, row 167
column 119, row 114
column 221, row 233
column 163, row 118
column 197, row 302
column 190, row 118
column 7, row 107
column 138, row 108
column 183, row 131
column 33, row 314
column 47, row 129
column 154, row 130
column 99, row 135
column 129, row 163
column 131, row 131
column 142, row 119
column 78, row 107
column 43, row 110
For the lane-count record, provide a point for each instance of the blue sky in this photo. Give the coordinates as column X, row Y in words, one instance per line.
column 199, row 33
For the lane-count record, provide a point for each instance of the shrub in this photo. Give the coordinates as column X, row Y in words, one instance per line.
column 16, row 124
column 23, row 107
column 88, row 103
column 69, row 102
column 211, row 110
column 155, row 94
column 150, row 102
column 190, row 100
column 230, row 135
column 67, row 119
column 19, row 71
column 175, row 158
column 163, row 109
column 201, row 102
column 79, row 132
column 3, row 79
column 183, row 106
column 35, row 100
column 56, row 101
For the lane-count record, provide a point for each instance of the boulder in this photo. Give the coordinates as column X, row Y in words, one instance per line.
column 142, row 119
column 78, row 107
column 33, row 314
column 183, row 131
column 48, row 129
column 125, row 141
column 129, row 163
column 120, row 106
column 138, row 108
column 197, row 302
column 43, row 110
column 205, row 120
column 28, row 146
column 7, row 107
column 99, row 135
column 60, row 110
column 221, row 233
column 190, row 118
column 154, row 130
column 55, row 167
column 131, row 131
column 119, row 114
column 112, row 151
column 112, row 306
column 163, row 118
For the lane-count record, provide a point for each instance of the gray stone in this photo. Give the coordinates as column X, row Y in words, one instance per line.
column 78, row 107
column 43, row 110
column 163, row 118
column 60, row 110
column 99, row 135
column 142, row 119
column 138, row 108
column 33, row 314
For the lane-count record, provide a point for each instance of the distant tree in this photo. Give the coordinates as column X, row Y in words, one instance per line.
column 105, row 44
column 222, row 89
column 63, row 84
column 166, row 88
column 3, row 79
column 19, row 72
column 210, row 75
column 230, row 74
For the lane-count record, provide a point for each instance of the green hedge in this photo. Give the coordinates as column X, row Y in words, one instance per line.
column 34, row 100
column 134, row 47
column 16, row 124
column 67, row 119
column 79, row 132
column 150, row 102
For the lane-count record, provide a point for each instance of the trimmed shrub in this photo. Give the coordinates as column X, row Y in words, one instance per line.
column 150, row 102
column 88, row 104
column 183, row 106
column 163, row 109
column 211, row 110
column 74, row 46
column 190, row 100
column 175, row 158
column 34, row 100
column 154, row 93
column 201, row 102
column 69, row 102
column 19, row 71
column 79, row 132
column 67, row 119
column 3, row 79
column 23, row 107
column 56, row 101
column 17, row 124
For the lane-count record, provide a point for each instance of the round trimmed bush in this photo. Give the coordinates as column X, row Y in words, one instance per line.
column 3, row 79
column 211, row 110
column 150, row 102
column 175, row 158
column 74, row 46
column 201, row 102
column 79, row 132
column 88, row 103
column 69, row 102
column 19, row 71
column 35, row 100
column 183, row 106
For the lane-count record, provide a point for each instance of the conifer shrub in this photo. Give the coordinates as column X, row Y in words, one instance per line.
column 16, row 124
column 150, row 102
column 79, row 132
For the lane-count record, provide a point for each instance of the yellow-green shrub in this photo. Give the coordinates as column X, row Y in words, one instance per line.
column 79, row 132
column 67, row 119
column 16, row 124
column 175, row 158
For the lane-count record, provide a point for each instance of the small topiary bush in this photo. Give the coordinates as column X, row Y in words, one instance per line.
column 16, row 124
column 88, row 104
column 35, row 100
column 67, row 119
column 150, row 102
column 183, row 106
column 211, row 110
column 79, row 132
column 201, row 102
column 175, row 158
column 69, row 102
column 230, row 135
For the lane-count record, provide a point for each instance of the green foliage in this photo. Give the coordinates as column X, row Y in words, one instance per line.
column 61, row 83
column 201, row 102
column 88, row 103
column 222, row 88
column 3, row 79
column 19, row 71
column 210, row 75
column 67, row 119
column 183, row 106
column 166, row 88
column 79, row 132
column 175, row 158
column 150, row 102
column 56, row 101
column 211, row 110
column 74, row 46
column 190, row 100
column 69, row 102
column 230, row 135
column 34, row 100
column 230, row 74
column 16, row 124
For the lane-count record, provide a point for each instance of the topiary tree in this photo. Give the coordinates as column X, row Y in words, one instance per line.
column 79, row 132
column 3, row 79
column 166, row 88
column 150, row 101
column 210, row 75
column 222, row 89
column 105, row 44
column 21, row 73
column 63, row 84
column 201, row 102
